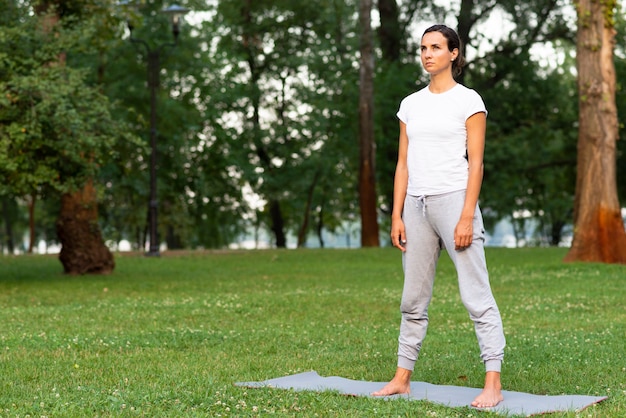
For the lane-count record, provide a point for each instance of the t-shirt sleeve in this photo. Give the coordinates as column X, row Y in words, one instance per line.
column 402, row 111
column 475, row 104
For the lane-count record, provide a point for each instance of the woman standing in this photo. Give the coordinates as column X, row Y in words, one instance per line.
column 436, row 187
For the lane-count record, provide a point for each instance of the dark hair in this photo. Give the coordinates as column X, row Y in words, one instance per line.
column 453, row 42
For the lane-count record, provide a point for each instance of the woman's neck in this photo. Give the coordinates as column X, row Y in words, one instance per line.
column 441, row 83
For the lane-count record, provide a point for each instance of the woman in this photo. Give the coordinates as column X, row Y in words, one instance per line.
column 436, row 187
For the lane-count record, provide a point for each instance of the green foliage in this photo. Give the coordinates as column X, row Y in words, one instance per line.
column 530, row 156
column 55, row 130
column 261, row 100
column 394, row 81
column 285, row 93
column 200, row 201
column 170, row 336
column 531, row 150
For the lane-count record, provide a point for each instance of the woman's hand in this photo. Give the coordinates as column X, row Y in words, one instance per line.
column 398, row 237
column 463, row 234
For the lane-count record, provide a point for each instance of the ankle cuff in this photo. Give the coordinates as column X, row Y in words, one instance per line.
column 493, row 365
column 405, row 363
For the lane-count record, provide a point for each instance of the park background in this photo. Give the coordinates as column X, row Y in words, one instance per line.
column 256, row 128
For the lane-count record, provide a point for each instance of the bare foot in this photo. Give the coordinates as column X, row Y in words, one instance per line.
column 399, row 385
column 492, row 392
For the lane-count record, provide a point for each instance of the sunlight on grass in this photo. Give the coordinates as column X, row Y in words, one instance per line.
column 170, row 336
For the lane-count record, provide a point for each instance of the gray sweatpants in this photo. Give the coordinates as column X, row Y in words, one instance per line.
column 429, row 224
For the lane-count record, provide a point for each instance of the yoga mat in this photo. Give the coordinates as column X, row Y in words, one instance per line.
column 515, row 403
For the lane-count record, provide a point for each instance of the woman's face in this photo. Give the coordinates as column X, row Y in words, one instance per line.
column 436, row 58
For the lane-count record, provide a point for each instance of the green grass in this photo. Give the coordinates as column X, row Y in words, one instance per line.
column 169, row 336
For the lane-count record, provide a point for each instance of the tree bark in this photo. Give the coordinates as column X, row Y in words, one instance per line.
column 278, row 224
column 304, row 227
column 31, row 223
column 390, row 32
column 8, row 224
column 599, row 234
column 555, row 233
column 320, row 226
column 83, row 249
column 173, row 240
column 367, row 171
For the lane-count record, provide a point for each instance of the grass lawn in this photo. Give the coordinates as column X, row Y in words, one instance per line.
column 169, row 336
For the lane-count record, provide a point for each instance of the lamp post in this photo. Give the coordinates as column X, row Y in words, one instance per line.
column 175, row 13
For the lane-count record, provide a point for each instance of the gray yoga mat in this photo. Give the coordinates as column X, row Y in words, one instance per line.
column 515, row 403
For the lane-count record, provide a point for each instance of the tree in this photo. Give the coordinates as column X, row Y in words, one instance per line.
column 9, row 215
column 55, row 131
column 82, row 246
column 529, row 157
column 599, row 233
column 398, row 73
column 199, row 193
column 367, row 145
column 282, row 99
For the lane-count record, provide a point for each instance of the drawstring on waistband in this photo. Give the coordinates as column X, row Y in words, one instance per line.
column 422, row 199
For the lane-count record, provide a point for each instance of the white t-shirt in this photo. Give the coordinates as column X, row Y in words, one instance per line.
column 435, row 126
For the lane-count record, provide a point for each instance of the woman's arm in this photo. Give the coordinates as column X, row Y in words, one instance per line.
column 476, row 126
column 400, row 183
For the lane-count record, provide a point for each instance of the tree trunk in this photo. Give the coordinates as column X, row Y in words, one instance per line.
column 173, row 240
column 599, row 234
column 367, row 172
column 556, row 227
column 31, row 223
column 83, row 249
column 304, row 227
column 320, row 226
column 392, row 41
column 465, row 21
column 278, row 224
column 8, row 224
column 390, row 32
